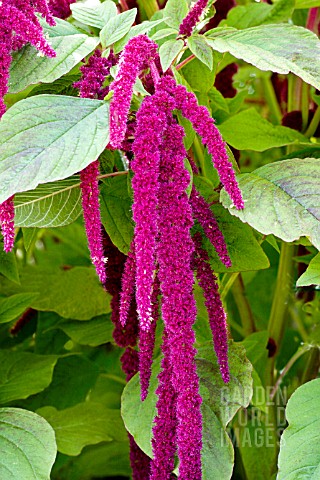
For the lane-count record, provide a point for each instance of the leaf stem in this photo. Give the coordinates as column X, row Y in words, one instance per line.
column 313, row 124
column 243, row 305
column 226, row 284
column 271, row 99
column 185, row 62
column 198, row 150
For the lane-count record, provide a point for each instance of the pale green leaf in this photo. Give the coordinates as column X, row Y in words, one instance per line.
column 70, row 45
column 96, row 15
column 175, row 11
column 307, row 3
column 139, row 29
column 287, row 192
column 247, row 130
column 299, row 456
column 117, row 27
column 200, row 48
column 23, row 374
column 84, row 424
column 27, row 444
column 312, row 275
column 47, row 138
column 169, row 51
column 280, row 48
column 49, row 205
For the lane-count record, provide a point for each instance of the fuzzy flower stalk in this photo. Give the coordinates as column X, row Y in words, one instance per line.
column 193, row 17
column 18, row 25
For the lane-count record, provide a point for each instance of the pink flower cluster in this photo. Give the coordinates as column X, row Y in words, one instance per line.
column 193, row 17
column 164, row 254
column 18, row 25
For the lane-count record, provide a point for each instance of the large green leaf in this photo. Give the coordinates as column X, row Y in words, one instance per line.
column 70, row 45
column 200, row 48
column 49, row 205
column 27, row 444
column 247, row 130
column 312, row 275
column 220, row 404
column 74, row 293
column 96, row 15
column 174, row 12
column 287, row 192
column 47, row 138
column 245, row 16
column 169, row 51
column 94, row 332
column 12, row 307
column 116, row 212
column 84, row 424
column 23, row 374
column 280, row 48
column 299, row 456
column 117, row 27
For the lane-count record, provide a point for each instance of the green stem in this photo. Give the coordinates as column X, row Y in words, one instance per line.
column 150, row 7
column 305, row 105
column 226, row 284
column 313, row 124
column 286, row 369
column 278, row 315
column 313, row 364
column 271, row 100
column 243, row 306
column 198, row 151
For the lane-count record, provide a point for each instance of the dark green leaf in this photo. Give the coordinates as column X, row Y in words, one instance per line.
column 84, row 424
column 248, row 130
column 12, row 307
column 23, row 374
column 299, row 448
column 47, row 138
column 70, row 45
column 287, row 192
column 94, row 332
column 8, row 265
column 27, row 444
column 280, row 48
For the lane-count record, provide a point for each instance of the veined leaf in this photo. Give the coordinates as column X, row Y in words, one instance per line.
column 287, row 192
column 70, row 45
column 47, row 138
column 168, row 52
column 175, row 11
column 49, row 205
column 95, row 15
column 200, row 48
column 312, row 275
column 280, row 48
column 117, row 27
column 27, row 444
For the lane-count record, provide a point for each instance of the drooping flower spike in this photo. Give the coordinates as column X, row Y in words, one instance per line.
column 217, row 316
column 128, row 285
column 193, row 17
column 137, row 55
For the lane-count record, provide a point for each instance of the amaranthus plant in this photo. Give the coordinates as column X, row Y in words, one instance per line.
column 159, row 208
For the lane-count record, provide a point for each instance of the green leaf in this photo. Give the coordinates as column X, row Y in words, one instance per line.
column 70, row 45
column 163, row 33
column 198, row 76
column 84, row 424
column 246, row 16
column 96, row 15
column 280, row 48
column 139, row 29
column 49, row 205
column 312, row 275
column 27, row 444
column 96, row 331
column 12, row 307
column 169, row 51
column 200, row 48
column 299, row 447
column 23, row 374
column 174, row 12
column 116, row 212
column 287, row 192
column 248, row 130
column 220, row 404
column 243, row 248
column 8, row 265
column 117, row 27
column 307, row 3
column 74, row 293
column 47, row 138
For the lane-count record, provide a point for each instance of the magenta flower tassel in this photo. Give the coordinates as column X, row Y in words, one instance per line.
column 5, row 59
column 128, row 285
column 193, row 17
column 7, row 223
column 93, row 76
column 201, row 211
column 42, row 7
column 175, row 249
column 165, row 423
column 91, row 213
column 146, row 343
column 136, row 55
column 203, row 124
column 217, row 316
column 151, row 122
